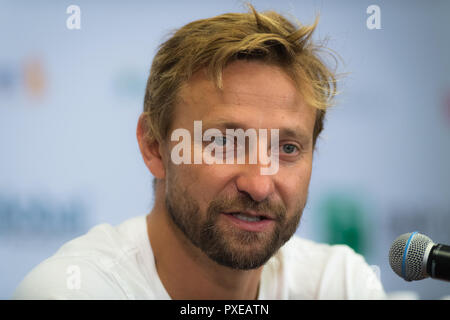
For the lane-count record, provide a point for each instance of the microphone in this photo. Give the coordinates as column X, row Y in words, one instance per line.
column 414, row 256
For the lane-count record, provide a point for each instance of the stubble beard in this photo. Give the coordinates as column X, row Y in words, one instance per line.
column 224, row 243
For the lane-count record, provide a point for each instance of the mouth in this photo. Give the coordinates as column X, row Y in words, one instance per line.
column 249, row 220
column 250, row 216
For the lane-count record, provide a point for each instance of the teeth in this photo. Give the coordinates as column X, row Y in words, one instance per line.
column 240, row 216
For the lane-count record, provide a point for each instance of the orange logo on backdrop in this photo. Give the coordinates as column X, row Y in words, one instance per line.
column 34, row 77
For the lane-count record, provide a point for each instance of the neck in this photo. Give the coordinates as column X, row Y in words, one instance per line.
column 186, row 272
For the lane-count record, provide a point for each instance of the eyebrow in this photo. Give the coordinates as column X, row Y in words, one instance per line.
column 296, row 133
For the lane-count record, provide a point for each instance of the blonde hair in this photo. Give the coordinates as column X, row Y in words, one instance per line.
column 215, row 42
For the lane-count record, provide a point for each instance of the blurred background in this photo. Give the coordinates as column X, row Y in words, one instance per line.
column 70, row 99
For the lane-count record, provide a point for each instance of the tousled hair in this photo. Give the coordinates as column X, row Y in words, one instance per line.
column 213, row 43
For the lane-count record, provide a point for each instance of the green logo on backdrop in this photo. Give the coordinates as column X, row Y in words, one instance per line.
column 344, row 221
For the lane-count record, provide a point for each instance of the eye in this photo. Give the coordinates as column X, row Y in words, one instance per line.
column 221, row 141
column 224, row 143
column 289, row 148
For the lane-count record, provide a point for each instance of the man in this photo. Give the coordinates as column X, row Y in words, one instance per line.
column 222, row 226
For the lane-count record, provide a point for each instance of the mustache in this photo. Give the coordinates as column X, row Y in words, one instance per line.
column 243, row 202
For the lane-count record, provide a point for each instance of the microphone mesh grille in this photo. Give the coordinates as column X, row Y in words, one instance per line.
column 413, row 264
column 396, row 253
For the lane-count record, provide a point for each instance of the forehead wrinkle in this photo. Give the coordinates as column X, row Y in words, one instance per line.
column 200, row 95
column 289, row 131
column 193, row 92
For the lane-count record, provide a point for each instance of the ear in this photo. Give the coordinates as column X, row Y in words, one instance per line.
column 150, row 150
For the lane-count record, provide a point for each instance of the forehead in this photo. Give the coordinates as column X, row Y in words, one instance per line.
column 256, row 93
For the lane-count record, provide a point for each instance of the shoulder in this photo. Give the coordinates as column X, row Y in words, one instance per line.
column 83, row 268
column 304, row 251
column 105, row 241
column 322, row 271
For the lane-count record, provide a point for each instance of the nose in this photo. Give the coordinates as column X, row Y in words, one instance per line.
column 257, row 186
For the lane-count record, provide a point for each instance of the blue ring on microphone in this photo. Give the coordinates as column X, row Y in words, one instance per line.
column 404, row 254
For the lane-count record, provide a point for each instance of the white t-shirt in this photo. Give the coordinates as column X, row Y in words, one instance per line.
column 118, row 263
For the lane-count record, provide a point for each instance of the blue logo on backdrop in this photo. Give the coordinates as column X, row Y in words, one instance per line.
column 41, row 216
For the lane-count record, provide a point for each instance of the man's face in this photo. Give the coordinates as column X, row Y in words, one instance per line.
column 234, row 214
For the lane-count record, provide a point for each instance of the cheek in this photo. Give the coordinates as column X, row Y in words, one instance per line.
column 293, row 184
column 203, row 182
